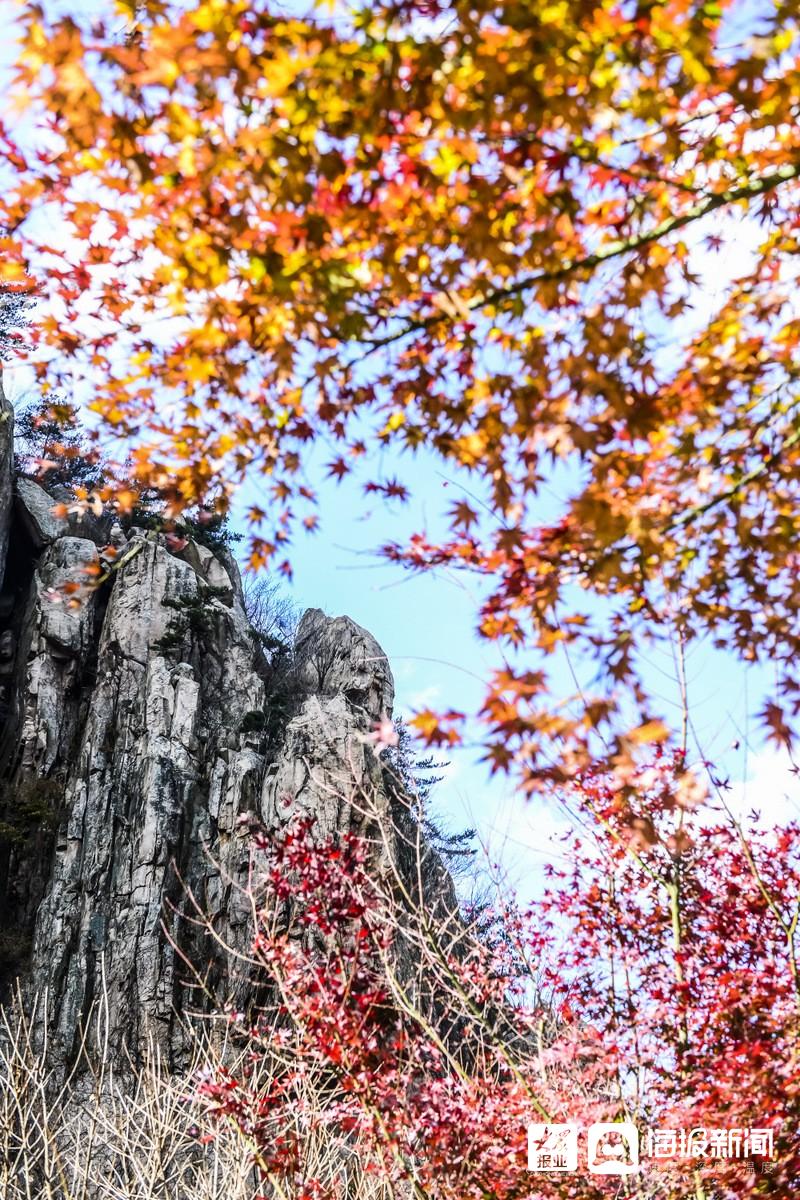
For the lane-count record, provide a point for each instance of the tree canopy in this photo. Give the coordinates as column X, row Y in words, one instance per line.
column 477, row 228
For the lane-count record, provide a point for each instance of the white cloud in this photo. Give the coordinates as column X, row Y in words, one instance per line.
column 425, row 697
column 771, row 788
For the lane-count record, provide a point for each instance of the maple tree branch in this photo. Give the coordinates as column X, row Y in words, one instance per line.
column 677, row 126
column 119, row 564
column 585, row 152
column 588, row 154
column 701, row 509
column 788, row 928
column 749, row 191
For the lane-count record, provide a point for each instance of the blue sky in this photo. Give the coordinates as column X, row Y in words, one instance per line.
column 426, row 626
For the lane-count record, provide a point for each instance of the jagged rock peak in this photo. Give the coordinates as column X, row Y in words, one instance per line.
column 341, row 657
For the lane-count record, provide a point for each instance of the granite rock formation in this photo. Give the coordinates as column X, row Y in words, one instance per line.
column 138, row 741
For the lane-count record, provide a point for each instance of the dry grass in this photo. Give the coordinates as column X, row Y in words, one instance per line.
column 102, row 1134
column 143, row 1133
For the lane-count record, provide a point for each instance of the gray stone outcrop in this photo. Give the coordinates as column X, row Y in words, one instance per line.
column 139, row 740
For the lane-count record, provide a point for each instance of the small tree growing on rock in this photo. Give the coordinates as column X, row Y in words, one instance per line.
column 50, row 444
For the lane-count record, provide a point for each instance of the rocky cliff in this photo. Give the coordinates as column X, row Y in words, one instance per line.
column 140, row 726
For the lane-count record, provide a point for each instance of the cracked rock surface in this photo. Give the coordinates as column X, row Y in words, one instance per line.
column 128, row 759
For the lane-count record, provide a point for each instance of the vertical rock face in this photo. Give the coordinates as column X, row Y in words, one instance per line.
column 133, row 745
column 6, row 468
column 158, row 754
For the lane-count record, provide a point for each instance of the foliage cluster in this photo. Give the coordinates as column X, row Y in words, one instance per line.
column 49, row 442
column 417, row 774
column 208, row 528
column 52, row 443
column 628, row 993
column 30, row 806
column 15, row 307
column 195, row 620
column 468, row 228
